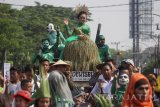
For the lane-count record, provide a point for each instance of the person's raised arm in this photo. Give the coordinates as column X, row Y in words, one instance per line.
column 69, row 32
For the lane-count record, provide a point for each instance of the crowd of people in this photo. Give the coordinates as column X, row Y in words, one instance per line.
column 51, row 84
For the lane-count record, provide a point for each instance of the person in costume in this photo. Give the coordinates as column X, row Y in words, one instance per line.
column 103, row 49
column 46, row 52
column 123, row 79
column 82, row 26
column 42, row 95
column 60, row 91
column 22, row 98
column 45, row 63
column 138, row 93
column 56, row 39
column 52, row 35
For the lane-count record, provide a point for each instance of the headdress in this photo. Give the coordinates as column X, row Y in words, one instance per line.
column 44, row 90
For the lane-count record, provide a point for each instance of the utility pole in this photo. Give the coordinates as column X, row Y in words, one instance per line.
column 117, row 51
column 158, row 60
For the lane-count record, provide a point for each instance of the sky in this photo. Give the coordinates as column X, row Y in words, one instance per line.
column 114, row 19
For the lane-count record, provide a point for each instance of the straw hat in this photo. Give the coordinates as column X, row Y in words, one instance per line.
column 60, row 62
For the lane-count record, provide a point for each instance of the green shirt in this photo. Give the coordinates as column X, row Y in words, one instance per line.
column 104, row 52
column 52, row 36
column 82, row 26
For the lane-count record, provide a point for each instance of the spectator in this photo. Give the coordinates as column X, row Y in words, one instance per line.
column 30, row 75
column 22, row 99
column 104, row 82
column 26, row 85
column 14, row 84
column 22, row 75
column 138, row 93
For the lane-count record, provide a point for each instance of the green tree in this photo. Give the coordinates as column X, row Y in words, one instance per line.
column 11, row 32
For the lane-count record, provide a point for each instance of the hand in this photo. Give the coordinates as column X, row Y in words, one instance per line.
column 7, row 82
column 65, row 21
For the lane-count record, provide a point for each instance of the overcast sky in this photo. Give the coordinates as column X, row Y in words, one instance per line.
column 114, row 20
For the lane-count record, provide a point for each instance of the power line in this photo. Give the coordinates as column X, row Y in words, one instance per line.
column 116, row 5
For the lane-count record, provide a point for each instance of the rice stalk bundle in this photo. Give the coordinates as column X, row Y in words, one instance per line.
column 83, row 53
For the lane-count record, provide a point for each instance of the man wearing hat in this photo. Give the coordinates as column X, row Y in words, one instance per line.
column 103, row 49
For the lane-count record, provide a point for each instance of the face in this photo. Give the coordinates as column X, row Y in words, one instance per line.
column 61, row 68
column 14, row 76
column 22, row 76
column 106, row 72
column 20, row 102
column 123, row 79
column 50, row 27
column 28, row 87
column 45, row 65
column 82, row 18
column 142, row 92
column 29, row 75
column 44, row 102
column 102, row 41
column 45, row 44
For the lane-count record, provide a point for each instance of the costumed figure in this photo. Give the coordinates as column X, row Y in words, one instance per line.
column 103, row 49
column 56, row 39
column 46, row 52
column 82, row 17
column 42, row 96
column 60, row 91
column 123, row 80
column 52, row 35
column 79, row 48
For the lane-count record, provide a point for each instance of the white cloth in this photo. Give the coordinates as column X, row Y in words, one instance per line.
column 13, row 88
column 106, row 86
column 39, row 77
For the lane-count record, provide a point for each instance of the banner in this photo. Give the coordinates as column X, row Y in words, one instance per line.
column 7, row 67
column 81, row 75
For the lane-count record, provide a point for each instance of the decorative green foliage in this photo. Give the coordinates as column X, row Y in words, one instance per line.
column 103, row 101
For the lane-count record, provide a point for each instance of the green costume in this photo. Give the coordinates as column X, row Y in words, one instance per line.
column 118, row 96
column 103, row 50
column 81, row 26
column 45, row 53
column 52, row 36
column 42, row 91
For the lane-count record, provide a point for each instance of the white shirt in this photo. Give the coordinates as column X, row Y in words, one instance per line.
column 13, row 88
column 106, row 86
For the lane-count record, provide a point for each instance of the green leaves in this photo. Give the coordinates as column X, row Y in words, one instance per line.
column 103, row 101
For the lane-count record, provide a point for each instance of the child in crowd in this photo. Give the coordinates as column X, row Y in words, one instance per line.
column 22, row 75
column 22, row 98
column 26, row 85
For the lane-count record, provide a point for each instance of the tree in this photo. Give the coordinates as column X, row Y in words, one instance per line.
column 11, row 33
